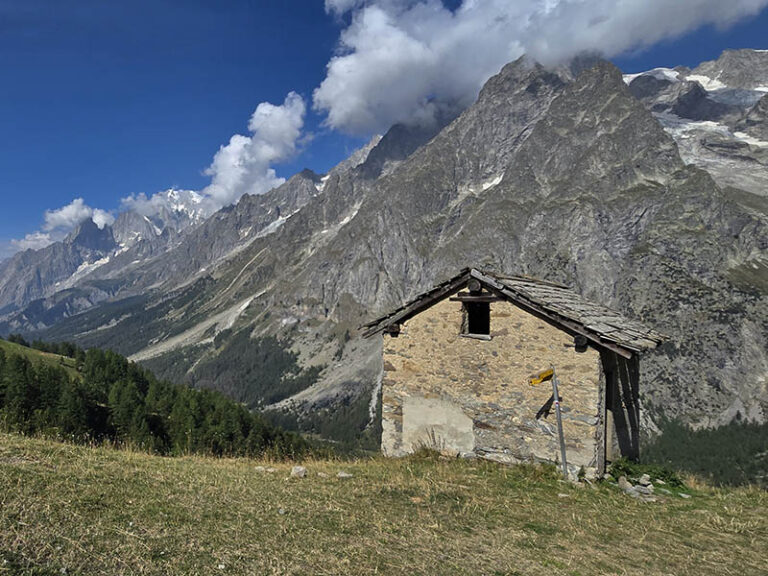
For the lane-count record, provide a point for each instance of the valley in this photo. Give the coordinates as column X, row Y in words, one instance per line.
column 642, row 192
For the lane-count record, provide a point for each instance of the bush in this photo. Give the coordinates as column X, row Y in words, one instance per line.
column 624, row 467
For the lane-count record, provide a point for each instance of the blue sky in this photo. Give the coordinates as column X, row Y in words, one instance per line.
column 101, row 100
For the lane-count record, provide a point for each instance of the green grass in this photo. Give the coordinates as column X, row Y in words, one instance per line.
column 101, row 511
column 36, row 356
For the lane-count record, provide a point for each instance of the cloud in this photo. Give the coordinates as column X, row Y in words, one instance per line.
column 57, row 224
column 67, row 216
column 102, row 218
column 33, row 241
column 64, row 219
column 244, row 165
column 400, row 60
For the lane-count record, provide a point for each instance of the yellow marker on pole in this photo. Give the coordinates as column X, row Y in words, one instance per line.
column 544, row 376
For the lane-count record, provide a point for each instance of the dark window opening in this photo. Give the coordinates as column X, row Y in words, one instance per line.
column 477, row 319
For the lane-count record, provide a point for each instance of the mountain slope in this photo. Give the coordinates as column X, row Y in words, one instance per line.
column 39, row 357
column 132, row 238
column 35, row 273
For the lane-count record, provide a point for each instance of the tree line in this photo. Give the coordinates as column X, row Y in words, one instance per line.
column 736, row 453
column 61, row 348
column 117, row 401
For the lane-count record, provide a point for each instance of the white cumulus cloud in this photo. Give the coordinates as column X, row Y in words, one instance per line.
column 33, row 241
column 398, row 60
column 244, row 165
column 60, row 222
column 64, row 219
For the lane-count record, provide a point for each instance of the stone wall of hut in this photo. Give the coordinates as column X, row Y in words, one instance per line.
column 471, row 397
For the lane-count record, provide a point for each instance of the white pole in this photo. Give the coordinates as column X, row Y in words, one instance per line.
column 559, row 422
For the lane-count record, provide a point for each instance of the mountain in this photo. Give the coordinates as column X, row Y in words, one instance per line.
column 34, row 274
column 755, row 120
column 172, row 209
column 716, row 114
column 168, row 250
column 735, row 69
column 639, row 191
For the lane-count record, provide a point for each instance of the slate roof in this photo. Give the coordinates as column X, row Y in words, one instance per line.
column 554, row 303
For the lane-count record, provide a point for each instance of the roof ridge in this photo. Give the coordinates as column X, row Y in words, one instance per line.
column 522, row 278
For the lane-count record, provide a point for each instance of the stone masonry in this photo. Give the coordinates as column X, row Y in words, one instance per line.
column 471, row 397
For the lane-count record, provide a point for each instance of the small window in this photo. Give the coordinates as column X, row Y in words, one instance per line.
column 477, row 320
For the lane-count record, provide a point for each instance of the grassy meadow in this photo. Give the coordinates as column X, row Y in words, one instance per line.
column 82, row 510
column 36, row 356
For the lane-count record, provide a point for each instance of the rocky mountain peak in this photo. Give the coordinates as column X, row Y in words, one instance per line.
column 595, row 122
column 88, row 235
column 308, row 174
column 522, row 72
column 358, row 156
column 131, row 227
column 693, row 102
column 399, row 142
column 740, row 69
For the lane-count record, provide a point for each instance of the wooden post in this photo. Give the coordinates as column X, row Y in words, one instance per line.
column 609, row 457
column 556, row 398
column 543, row 376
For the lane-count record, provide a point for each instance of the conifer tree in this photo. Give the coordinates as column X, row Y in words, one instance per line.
column 73, row 412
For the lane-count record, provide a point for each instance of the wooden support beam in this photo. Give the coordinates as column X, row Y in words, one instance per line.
column 470, row 298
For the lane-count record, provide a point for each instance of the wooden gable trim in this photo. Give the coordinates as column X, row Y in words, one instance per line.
column 421, row 303
column 469, row 297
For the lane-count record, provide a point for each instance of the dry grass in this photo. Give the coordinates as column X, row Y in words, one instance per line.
column 101, row 511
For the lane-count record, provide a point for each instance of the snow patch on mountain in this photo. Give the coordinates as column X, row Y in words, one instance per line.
column 750, row 140
column 473, row 189
column 709, row 84
column 706, row 143
column 323, row 181
column 492, row 182
column 658, row 73
column 187, row 201
column 83, row 270
column 681, row 128
column 273, row 226
column 678, row 126
column 330, row 232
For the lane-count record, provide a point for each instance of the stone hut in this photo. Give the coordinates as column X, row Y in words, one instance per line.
column 458, row 362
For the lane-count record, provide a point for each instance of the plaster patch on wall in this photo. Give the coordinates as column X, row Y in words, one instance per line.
column 437, row 424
